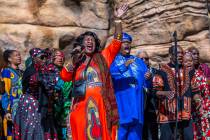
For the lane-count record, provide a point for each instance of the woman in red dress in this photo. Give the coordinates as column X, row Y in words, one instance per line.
column 95, row 114
column 200, row 107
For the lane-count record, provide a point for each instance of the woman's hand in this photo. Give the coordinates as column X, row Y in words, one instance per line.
column 121, row 10
column 77, row 56
column 118, row 13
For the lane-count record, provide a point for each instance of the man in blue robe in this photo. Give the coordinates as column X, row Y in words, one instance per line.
column 128, row 79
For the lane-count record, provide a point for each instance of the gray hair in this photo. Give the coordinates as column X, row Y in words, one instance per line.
column 140, row 52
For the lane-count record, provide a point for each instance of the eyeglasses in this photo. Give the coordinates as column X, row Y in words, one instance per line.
column 145, row 58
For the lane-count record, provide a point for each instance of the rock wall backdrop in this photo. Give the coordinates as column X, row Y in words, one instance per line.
column 42, row 23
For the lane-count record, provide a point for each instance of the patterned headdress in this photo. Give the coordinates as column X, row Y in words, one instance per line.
column 34, row 52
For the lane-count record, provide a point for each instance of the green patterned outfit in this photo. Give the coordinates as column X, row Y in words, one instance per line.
column 62, row 107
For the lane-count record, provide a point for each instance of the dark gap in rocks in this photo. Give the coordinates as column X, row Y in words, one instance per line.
column 74, row 5
column 65, row 41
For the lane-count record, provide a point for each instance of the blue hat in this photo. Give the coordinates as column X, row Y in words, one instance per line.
column 126, row 37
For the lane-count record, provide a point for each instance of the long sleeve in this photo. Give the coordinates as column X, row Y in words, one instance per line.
column 195, row 86
column 122, row 68
column 118, row 66
column 6, row 75
column 200, row 105
column 65, row 75
column 111, row 51
column 7, row 80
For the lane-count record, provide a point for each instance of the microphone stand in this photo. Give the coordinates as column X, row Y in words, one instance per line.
column 176, row 83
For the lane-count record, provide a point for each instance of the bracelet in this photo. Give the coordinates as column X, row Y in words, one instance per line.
column 118, row 21
column 118, row 36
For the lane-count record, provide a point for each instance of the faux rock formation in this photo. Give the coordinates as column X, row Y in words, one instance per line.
column 42, row 23
column 152, row 24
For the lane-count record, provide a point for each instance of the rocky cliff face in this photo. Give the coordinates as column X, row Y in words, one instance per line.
column 40, row 23
column 152, row 24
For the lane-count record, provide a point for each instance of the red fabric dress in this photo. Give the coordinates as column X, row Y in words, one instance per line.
column 200, row 115
column 88, row 117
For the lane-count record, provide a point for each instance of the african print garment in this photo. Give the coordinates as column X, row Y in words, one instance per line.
column 200, row 111
column 62, row 107
column 2, row 91
column 13, row 90
column 164, row 81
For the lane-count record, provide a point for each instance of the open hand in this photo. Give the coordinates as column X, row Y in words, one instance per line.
column 121, row 10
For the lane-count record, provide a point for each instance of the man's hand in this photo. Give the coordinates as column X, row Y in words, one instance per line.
column 148, row 75
column 121, row 10
column 128, row 62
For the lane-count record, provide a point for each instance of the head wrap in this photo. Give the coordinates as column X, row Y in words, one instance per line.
column 126, row 37
column 37, row 53
column 34, row 52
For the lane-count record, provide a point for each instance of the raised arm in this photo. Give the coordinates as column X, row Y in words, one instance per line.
column 112, row 50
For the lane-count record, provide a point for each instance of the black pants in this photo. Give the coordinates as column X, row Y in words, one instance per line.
column 184, row 131
column 150, row 129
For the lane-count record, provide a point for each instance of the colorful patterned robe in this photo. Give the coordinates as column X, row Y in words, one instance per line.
column 206, row 71
column 88, row 117
column 2, row 91
column 200, row 112
column 13, row 89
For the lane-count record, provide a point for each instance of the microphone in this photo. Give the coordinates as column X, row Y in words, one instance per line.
column 174, row 38
column 175, row 34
